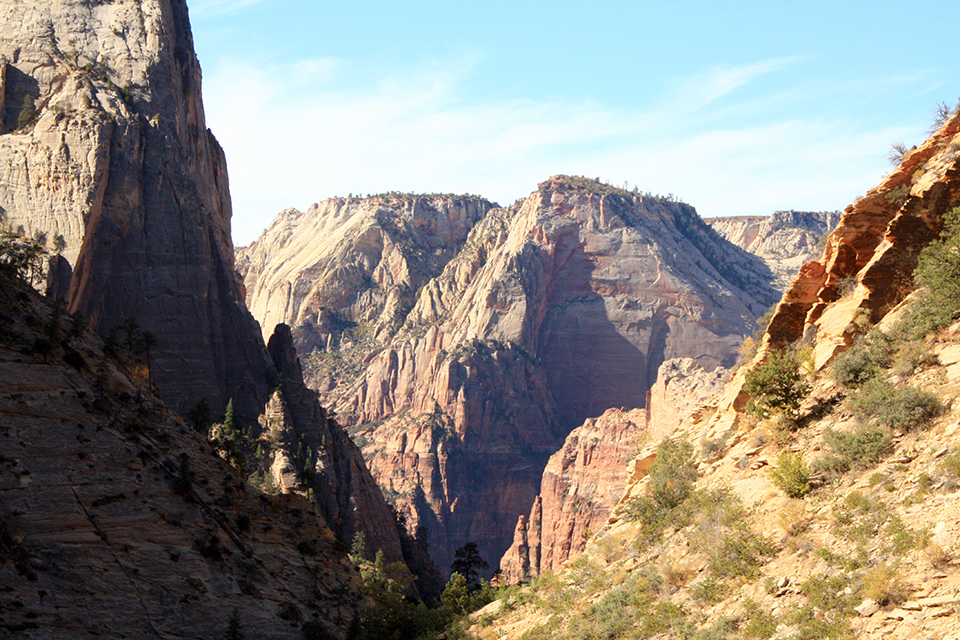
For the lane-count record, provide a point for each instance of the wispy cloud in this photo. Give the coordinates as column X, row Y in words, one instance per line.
column 716, row 82
column 299, row 132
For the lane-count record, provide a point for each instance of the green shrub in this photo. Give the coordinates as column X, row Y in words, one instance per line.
column 710, row 590
column 895, row 407
column 758, row 624
column 938, row 273
column 672, row 479
column 863, row 361
column 740, row 555
column 674, row 473
column 776, row 386
column 910, row 355
column 815, row 625
column 951, row 464
column 860, row 518
column 858, row 448
column 898, row 195
column 903, row 538
column 828, row 593
column 791, row 474
column 830, row 467
column 722, row 629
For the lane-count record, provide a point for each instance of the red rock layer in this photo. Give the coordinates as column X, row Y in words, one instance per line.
column 583, row 482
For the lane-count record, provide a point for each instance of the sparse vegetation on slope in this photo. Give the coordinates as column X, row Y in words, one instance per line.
column 843, row 525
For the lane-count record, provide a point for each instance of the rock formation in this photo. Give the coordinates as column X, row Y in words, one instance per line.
column 309, row 453
column 105, row 144
column 572, row 499
column 351, row 261
column 555, row 310
column 105, row 149
column 580, row 485
column 117, row 520
column 785, row 240
column 860, row 551
column 583, row 481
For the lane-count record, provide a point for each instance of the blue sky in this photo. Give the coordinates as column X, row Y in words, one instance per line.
column 738, row 108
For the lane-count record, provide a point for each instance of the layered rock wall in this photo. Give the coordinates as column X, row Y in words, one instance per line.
column 555, row 311
column 117, row 520
column 579, row 487
column 119, row 162
column 363, row 260
column 104, row 147
column 583, row 482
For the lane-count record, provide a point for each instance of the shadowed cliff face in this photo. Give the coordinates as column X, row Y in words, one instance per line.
column 117, row 519
column 553, row 311
column 120, row 163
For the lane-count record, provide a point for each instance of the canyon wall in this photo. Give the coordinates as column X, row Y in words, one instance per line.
column 104, row 148
column 778, row 515
column 117, row 520
column 583, row 482
column 117, row 161
column 552, row 312
column 350, row 260
column 785, row 240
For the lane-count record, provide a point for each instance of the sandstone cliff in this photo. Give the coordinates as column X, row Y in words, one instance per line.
column 351, row 261
column 117, row 520
column 104, row 148
column 785, row 240
column 572, row 499
column 864, row 546
column 104, row 143
column 555, row 310
column 583, row 481
column 310, row 454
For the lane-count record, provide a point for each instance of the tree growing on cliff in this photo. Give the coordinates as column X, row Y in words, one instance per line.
column 28, row 112
column 23, row 257
column 469, row 564
column 938, row 272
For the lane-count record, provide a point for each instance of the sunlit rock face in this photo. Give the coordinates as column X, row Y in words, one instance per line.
column 785, row 240
column 362, row 258
column 583, row 481
column 104, row 148
column 551, row 312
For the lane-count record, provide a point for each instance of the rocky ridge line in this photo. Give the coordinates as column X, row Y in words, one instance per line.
column 555, row 310
column 876, row 540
